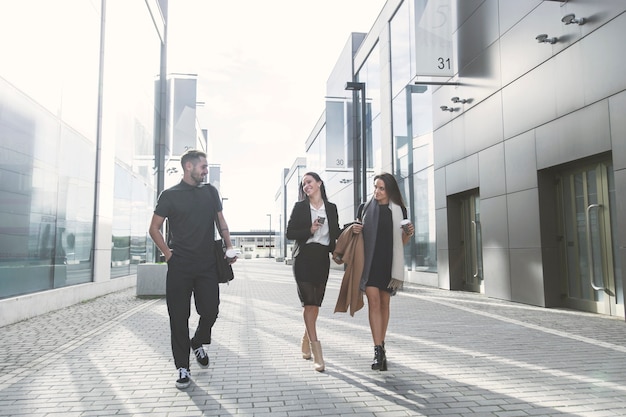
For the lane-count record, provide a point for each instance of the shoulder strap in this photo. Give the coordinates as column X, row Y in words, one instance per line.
column 213, row 193
column 361, row 209
column 215, row 196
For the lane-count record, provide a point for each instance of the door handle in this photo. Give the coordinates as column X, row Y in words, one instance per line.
column 590, row 250
column 475, row 231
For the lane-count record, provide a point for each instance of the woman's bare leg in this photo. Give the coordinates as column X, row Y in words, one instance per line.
column 385, row 298
column 376, row 315
column 310, row 318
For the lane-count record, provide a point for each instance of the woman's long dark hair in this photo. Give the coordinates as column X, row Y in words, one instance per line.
column 302, row 195
column 392, row 188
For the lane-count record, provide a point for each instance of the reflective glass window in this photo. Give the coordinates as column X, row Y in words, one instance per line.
column 47, row 177
column 424, row 245
column 412, row 144
column 400, row 47
column 369, row 73
column 129, row 109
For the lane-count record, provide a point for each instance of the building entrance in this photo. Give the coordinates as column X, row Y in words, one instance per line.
column 586, row 199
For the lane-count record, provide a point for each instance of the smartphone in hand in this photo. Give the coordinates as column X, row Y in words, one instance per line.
column 321, row 220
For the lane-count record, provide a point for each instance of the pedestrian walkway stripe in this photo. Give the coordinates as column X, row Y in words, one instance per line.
column 16, row 375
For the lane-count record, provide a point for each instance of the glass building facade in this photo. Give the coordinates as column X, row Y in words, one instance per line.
column 412, row 139
column 128, row 114
column 48, row 117
column 78, row 120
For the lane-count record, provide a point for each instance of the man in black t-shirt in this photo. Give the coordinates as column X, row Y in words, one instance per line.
column 192, row 210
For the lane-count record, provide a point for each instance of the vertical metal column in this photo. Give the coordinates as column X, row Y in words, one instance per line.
column 364, row 142
column 355, row 152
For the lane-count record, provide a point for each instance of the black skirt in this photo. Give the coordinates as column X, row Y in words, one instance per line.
column 310, row 269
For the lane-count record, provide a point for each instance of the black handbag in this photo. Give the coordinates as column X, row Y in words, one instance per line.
column 224, row 268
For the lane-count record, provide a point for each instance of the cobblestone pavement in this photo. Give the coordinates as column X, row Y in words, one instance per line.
column 449, row 353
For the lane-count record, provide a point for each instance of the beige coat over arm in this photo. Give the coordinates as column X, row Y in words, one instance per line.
column 350, row 250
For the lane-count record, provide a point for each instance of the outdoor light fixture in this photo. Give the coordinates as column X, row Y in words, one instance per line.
column 568, row 19
column 543, row 38
column 446, row 108
column 354, row 86
column 459, row 100
column 452, row 83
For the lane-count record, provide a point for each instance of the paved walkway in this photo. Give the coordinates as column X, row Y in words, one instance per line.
column 449, row 353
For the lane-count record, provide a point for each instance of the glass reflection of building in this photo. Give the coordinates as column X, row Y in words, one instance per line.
column 77, row 132
column 292, row 179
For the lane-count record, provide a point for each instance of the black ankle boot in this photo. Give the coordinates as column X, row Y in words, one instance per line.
column 380, row 359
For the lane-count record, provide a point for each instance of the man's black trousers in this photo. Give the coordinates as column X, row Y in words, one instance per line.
column 183, row 281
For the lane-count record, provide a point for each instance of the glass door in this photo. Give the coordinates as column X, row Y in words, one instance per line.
column 587, row 199
column 472, row 243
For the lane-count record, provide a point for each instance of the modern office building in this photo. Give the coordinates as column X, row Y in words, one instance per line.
column 502, row 121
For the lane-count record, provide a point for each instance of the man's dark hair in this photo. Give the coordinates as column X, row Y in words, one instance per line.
column 191, row 155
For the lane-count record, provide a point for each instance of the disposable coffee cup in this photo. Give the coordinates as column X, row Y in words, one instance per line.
column 232, row 253
column 405, row 225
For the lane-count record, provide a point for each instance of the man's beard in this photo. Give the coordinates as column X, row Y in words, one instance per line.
column 197, row 178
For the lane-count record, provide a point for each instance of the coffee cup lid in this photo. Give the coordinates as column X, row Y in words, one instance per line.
column 231, row 253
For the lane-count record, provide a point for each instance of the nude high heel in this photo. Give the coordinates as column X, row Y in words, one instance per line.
column 306, row 346
column 316, row 347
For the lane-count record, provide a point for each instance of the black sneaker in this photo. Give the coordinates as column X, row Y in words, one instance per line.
column 201, row 356
column 183, row 381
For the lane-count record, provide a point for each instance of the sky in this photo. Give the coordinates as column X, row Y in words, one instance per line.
column 262, row 68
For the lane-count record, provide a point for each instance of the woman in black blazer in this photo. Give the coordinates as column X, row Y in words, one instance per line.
column 314, row 225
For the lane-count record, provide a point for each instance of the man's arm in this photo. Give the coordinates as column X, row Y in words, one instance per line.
column 155, row 233
column 222, row 227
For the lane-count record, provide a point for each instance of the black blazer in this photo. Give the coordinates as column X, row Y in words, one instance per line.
column 299, row 225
